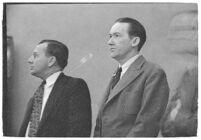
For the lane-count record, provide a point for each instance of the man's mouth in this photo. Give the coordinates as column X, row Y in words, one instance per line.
column 112, row 49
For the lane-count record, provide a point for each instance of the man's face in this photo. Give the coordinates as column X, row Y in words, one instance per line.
column 120, row 43
column 39, row 61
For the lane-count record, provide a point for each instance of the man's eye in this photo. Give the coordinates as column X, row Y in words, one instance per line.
column 116, row 35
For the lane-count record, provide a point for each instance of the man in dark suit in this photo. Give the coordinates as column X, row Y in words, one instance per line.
column 61, row 106
column 137, row 95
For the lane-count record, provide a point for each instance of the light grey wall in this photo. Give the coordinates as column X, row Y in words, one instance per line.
column 84, row 29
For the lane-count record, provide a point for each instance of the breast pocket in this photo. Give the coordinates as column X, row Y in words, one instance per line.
column 132, row 103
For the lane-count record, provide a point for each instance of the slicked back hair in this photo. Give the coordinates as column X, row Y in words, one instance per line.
column 59, row 50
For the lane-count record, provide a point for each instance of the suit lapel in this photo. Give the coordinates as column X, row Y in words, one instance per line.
column 53, row 98
column 131, row 74
column 107, row 93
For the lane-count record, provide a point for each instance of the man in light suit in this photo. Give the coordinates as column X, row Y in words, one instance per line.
column 137, row 95
column 61, row 106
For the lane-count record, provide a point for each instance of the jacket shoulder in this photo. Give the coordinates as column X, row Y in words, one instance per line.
column 73, row 80
column 153, row 68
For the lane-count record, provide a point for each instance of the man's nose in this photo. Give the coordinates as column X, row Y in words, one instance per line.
column 30, row 60
column 110, row 41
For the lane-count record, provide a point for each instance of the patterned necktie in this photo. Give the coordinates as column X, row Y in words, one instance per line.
column 116, row 77
column 36, row 110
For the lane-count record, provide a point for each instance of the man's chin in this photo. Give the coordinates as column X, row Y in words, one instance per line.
column 36, row 74
column 32, row 72
column 114, row 56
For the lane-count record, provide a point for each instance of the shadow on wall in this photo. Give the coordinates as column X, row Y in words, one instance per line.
column 180, row 118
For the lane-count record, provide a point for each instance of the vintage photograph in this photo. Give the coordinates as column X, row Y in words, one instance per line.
column 100, row 69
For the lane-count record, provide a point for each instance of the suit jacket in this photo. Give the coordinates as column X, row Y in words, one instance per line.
column 67, row 112
column 134, row 107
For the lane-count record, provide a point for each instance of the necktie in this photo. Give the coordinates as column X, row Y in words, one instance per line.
column 116, row 77
column 36, row 110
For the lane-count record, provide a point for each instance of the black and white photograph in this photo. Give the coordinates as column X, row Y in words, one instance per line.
column 100, row 69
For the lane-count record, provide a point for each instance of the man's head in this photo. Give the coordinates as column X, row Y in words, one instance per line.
column 48, row 57
column 127, row 36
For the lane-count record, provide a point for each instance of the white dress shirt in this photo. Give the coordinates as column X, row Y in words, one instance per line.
column 47, row 90
column 127, row 64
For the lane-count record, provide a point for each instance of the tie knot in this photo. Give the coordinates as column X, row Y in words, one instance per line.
column 119, row 70
column 43, row 83
column 116, row 77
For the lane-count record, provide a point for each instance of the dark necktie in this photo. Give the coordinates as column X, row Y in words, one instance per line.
column 36, row 110
column 116, row 77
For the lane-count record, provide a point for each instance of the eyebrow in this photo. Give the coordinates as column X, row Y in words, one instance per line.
column 114, row 33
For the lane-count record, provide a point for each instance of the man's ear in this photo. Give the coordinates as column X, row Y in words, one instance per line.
column 51, row 61
column 135, row 41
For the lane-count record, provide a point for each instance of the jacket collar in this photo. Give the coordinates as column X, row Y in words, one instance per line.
column 131, row 74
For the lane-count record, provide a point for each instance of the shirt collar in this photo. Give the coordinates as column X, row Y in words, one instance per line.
column 52, row 78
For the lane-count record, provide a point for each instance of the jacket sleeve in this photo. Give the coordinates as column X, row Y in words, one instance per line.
column 153, row 105
column 80, row 111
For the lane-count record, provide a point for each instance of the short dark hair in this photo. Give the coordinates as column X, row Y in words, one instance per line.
column 57, row 49
column 135, row 29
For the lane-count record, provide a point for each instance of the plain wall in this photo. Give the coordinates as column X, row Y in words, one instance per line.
column 84, row 29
